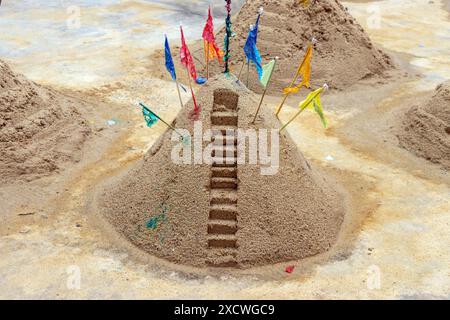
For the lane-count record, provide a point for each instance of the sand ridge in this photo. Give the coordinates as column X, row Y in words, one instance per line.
column 40, row 129
column 425, row 129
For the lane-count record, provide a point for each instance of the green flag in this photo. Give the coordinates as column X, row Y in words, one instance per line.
column 267, row 73
column 149, row 116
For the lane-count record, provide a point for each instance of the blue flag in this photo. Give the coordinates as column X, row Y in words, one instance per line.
column 251, row 51
column 150, row 118
column 169, row 62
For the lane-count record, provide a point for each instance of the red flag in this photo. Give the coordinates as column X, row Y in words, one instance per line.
column 208, row 37
column 186, row 58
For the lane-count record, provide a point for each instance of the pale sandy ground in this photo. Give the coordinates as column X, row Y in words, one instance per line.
column 398, row 228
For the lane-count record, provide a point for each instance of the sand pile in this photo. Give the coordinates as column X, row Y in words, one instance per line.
column 426, row 129
column 343, row 55
column 224, row 215
column 40, row 129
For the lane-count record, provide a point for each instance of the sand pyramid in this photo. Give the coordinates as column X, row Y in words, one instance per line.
column 426, row 129
column 40, row 129
column 224, row 214
column 343, row 55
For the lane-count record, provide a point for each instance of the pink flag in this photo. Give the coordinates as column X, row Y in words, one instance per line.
column 186, row 58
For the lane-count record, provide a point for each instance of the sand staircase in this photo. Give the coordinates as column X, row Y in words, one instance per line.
column 222, row 224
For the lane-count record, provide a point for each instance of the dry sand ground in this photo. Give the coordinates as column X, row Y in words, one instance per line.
column 398, row 226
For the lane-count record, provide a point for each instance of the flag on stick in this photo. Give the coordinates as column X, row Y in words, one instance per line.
column 305, row 71
column 169, row 62
column 267, row 71
column 313, row 102
column 265, row 79
column 251, row 51
column 171, row 68
column 188, row 62
column 211, row 49
column 152, row 118
column 186, row 58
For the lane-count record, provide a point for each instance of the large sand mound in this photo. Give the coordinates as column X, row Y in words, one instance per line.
column 343, row 55
column 40, row 129
column 224, row 215
column 426, row 129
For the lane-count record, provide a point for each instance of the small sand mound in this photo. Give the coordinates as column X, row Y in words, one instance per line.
column 343, row 55
column 40, row 129
column 224, row 215
column 426, row 129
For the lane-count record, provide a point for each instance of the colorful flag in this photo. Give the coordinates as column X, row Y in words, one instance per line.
column 186, row 58
column 313, row 102
column 251, row 51
column 169, row 62
column 305, row 70
column 150, row 118
column 267, row 71
column 210, row 40
column 228, row 35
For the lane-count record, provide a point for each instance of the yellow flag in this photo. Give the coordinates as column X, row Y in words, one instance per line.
column 305, row 70
column 313, row 102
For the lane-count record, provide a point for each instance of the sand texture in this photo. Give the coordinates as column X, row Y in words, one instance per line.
column 343, row 55
column 40, row 129
column 224, row 217
column 426, row 128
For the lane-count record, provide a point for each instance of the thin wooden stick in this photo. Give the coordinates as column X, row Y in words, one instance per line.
column 248, row 71
column 242, row 68
column 301, row 110
column 286, row 95
column 179, row 93
column 313, row 41
column 162, row 120
column 265, row 91
column 207, row 61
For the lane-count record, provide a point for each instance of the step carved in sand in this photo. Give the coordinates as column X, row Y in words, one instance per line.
column 221, row 140
column 226, row 98
column 224, row 151
column 222, row 223
column 223, row 183
column 222, row 241
column 222, row 227
column 224, row 118
column 224, row 162
column 223, row 172
column 223, row 212
column 223, row 196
